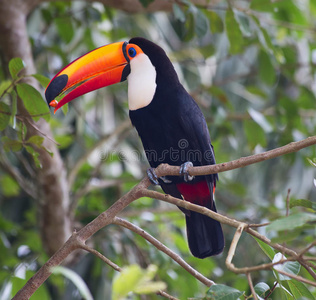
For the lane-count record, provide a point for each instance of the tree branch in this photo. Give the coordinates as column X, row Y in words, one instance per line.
column 163, row 248
column 164, row 169
column 77, row 239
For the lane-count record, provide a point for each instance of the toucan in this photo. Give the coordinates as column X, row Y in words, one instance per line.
column 169, row 122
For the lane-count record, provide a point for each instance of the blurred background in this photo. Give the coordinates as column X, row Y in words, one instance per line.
column 250, row 65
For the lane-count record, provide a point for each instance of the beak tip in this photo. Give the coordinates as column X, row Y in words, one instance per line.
column 53, row 103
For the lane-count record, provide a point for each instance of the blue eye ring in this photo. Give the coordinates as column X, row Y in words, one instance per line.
column 132, row 52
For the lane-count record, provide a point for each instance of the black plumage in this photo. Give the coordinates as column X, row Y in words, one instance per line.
column 173, row 130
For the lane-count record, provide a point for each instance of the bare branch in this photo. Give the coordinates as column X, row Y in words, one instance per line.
column 233, row 246
column 78, row 239
column 254, row 295
column 299, row 278
column 163, row 248
column 101, row 256
column 165, row 169
column 164, row 294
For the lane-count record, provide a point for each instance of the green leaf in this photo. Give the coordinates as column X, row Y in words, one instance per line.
column 265, row 248
column 291, row 222
column 65, row 28
column 264, row 37
column 266, row 69
column 64, row 141
column 207, row 50
column 299, row 290
column 223, row 292
column 256, row 91
column 34, row 154
column 15, row 66
column 75, row 279
column 5, row 115
column 290, row 267
column 201, row 23
column 9, row 186
column 312, row 161
column 216, row 23
column 43, row 80
column 254, row 133
column 33, row 101
column 234, row 33
column 134, row 279
column 261, row 288
column 262, row 5
column 9, row 144
column 285, row 236
column 4, row 87
column 189, row 28
column 36, row 140
column 126, row 281
column 178, row 12
column 303, row 203
column 150, row 287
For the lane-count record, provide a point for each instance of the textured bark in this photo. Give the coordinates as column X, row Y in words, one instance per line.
column 51, row 183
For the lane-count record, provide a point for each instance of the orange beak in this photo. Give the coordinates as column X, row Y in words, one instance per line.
column 101, row 67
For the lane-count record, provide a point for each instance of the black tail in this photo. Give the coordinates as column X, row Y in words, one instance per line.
column 205, row 235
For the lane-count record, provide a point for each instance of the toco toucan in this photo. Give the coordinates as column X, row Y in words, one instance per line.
column 170, row 124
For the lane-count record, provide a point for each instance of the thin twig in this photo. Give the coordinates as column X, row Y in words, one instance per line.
column 258, row 225
column 233, row 246
column 117, row 268
column 254, row 295
column 101, row 256
column 302, row 252
column 297, row 277
column 160, row 246
column 288, row 202
column 166, row 295
column 271, row 290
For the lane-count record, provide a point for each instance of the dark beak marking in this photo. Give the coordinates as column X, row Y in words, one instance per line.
column 55, row 87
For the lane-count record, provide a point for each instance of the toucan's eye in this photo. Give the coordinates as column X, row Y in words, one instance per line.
column 132, row 52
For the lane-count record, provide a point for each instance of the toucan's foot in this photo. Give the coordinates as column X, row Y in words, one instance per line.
column 165, row 180
column 152, row 176
column 184, row 171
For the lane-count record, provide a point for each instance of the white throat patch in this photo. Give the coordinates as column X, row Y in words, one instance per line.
column 141, row 82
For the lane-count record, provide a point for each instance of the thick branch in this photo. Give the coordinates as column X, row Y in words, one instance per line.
column 165, row 169
column 78, row 238
column 107, row 217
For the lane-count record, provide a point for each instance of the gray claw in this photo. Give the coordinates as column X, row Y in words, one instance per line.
column 184, row 171
column 152, row 176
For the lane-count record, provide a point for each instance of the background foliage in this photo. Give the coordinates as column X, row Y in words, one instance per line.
column 250, row 65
